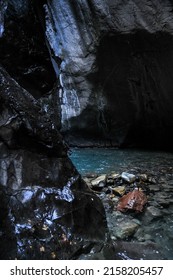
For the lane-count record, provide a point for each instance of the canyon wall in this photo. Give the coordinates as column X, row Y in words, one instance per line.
column 46, row 210
column 99, row 72
column 114, row 61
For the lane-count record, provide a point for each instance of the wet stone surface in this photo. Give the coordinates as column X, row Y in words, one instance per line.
column 134, row 234
column 46, row 210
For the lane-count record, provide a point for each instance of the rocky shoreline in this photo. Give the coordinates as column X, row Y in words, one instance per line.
column 145, row 234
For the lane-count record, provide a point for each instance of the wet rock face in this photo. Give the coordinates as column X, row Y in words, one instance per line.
column 116, row 61
column 46, row 210
column 3, row 7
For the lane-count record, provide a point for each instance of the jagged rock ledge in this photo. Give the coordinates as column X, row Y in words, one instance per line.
column 47, row 211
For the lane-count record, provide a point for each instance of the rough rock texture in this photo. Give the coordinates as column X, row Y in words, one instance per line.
column 46, row 210
column 23, row 51
column 46, row 207
column 3, row 7
column 134, row 200
column 114, row 60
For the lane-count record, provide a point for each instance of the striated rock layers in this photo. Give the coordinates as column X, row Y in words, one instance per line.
column 114, row 60
column 46, row 210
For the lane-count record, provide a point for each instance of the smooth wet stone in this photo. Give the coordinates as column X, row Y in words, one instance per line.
column 119, row 190
column 115, row 176
column 115, row 199
column 87, row 181
column 126, row 229
column 154, row 188
column 99, row 181
column 152, row 213
column 147, row 250
column 143, row 177
column 127, row 177
column 141, row 236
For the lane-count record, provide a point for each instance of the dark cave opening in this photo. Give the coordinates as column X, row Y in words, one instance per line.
column 135, row 78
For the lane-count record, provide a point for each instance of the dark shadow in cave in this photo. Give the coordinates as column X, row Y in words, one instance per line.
column 23, row 51
column 135, row 78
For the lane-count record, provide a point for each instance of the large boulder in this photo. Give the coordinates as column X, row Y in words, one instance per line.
column 114, row 60
column 46, row 211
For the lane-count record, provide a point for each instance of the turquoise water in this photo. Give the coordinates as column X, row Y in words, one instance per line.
column 101, row 160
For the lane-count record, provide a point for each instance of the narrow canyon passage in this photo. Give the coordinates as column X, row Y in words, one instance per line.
column 84, row 74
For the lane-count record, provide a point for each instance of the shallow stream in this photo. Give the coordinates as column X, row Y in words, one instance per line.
column 100, row 160
column 153, row 234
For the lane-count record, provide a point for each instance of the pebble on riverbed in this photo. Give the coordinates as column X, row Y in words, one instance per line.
column 126, row 229
column 127, row 177
column 99, row 182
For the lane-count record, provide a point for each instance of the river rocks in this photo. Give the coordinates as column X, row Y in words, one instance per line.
column 150, row 229
column 130, row 178
column 151, row 213
column 99, row 181
column 114, row 176
column 162, row 199
column 126, row 230
column 154, row 188
column 119, row 190
column 138, row 251
column 134, row 200
column 141, row 236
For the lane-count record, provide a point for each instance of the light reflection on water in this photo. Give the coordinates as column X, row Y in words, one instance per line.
column 101, row 160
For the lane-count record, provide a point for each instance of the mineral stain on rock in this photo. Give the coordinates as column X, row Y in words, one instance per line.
column 134, row 200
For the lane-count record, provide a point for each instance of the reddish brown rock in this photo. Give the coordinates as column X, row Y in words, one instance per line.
column 134, row 200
